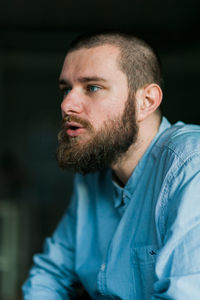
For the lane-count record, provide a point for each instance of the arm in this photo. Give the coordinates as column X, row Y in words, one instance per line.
column 53, row 276
column 178, row 261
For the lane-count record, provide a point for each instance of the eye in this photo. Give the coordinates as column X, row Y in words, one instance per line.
column 66, row 91
column 93, row 88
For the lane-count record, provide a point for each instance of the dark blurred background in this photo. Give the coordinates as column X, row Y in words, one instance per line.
column 34, row 36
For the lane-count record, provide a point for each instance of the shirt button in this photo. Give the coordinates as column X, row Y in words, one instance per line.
column 103, row 267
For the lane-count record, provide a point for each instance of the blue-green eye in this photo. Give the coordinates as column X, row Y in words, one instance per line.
column 66, row 91
column 93, row 88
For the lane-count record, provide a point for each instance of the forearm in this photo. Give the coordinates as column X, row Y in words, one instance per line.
column 52, row 276
column 185, row 287
column 42, row 287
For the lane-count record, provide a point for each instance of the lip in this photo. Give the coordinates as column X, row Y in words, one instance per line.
column 74, row 132
column 73, row 124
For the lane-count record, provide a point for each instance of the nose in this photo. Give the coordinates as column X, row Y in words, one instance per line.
column 72, row 103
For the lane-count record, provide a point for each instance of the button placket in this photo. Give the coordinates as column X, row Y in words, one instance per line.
column 101, row 280
column 103, row 266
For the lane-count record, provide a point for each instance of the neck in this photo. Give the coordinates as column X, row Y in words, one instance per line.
column 147, row 129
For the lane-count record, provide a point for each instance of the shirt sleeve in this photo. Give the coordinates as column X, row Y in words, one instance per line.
column 53, row 275
column 178, row 261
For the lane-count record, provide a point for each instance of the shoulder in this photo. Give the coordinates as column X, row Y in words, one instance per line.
column 178, row 161
column 181, row 140
column 177, row 154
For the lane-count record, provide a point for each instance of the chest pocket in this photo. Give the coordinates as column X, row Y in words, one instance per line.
column 143, row 259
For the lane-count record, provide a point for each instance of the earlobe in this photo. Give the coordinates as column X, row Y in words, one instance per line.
column 148, row 99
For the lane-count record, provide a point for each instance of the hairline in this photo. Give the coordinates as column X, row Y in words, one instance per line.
column 119, row 57
column 119, row 40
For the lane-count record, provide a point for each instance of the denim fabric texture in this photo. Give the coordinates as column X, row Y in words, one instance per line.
column 140, row 242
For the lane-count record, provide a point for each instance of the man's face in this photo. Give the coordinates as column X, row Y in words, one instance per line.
column 98, row 113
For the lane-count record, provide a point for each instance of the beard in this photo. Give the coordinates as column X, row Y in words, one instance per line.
column 105, row 146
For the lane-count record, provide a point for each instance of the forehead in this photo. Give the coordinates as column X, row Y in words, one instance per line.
column 102, row 60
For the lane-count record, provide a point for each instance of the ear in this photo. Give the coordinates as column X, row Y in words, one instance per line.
column 148, row 100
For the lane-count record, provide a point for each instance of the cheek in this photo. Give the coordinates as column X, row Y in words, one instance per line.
column 105, row 114
column 108, row 108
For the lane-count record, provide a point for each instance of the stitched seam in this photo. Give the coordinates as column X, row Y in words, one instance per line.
column 167, row 188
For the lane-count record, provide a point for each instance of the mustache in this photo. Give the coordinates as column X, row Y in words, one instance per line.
column 70, row 118
column 62, row 135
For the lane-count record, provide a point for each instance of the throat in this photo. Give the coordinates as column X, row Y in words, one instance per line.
column 124, row 168
column 116, row 179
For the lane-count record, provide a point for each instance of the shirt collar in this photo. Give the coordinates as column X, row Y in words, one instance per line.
column 130, row 186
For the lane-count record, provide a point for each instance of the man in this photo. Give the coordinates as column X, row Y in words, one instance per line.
column 133, row 224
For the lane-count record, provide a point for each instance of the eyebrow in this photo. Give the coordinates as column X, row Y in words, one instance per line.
column 92, row 78
column 82, row 80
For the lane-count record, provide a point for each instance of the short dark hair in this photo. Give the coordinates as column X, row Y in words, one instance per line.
column 137, row 58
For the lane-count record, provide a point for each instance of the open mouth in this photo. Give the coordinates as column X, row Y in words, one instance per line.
column 74, row 129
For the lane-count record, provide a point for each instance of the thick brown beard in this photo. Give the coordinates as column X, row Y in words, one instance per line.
column 104, row 148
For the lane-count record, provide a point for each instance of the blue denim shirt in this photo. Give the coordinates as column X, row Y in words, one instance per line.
column 139, row 242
